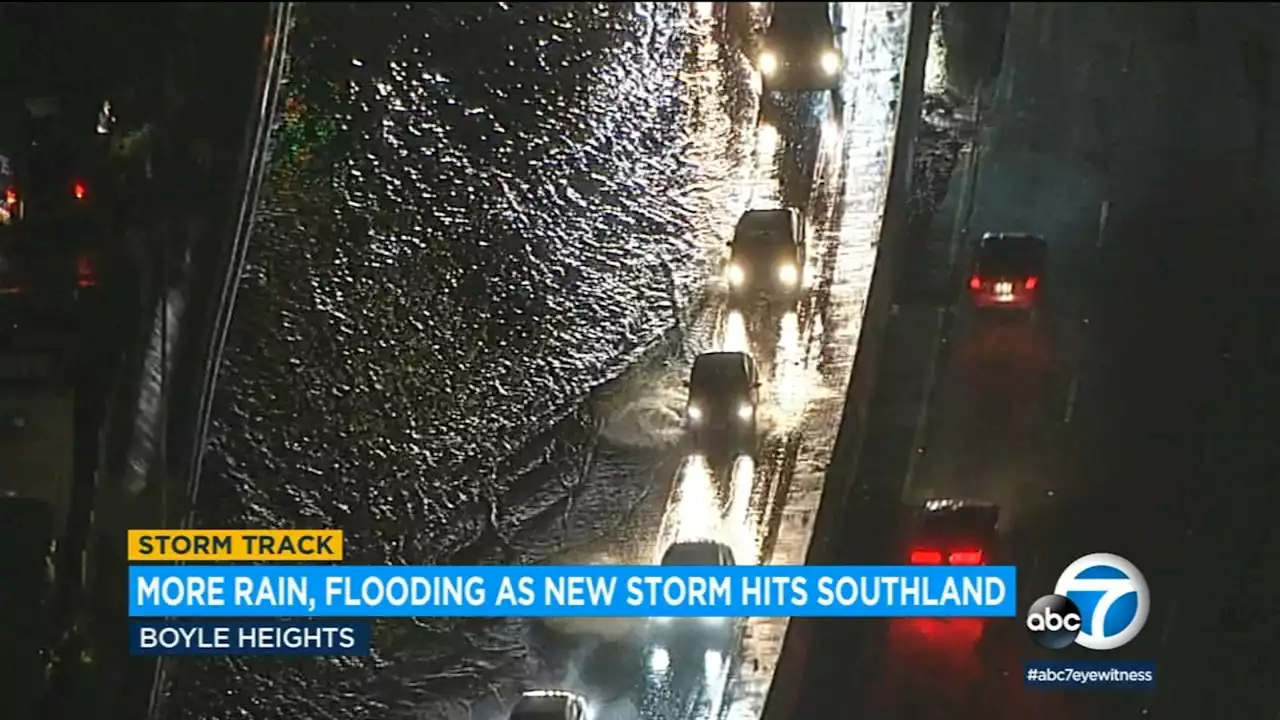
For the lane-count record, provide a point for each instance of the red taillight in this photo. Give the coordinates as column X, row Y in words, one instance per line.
column 10, row 196
column 85, row 276
column 78, row 190
column 975, row 283
column 1032, row 282
column 926, row 557
column 966, row 557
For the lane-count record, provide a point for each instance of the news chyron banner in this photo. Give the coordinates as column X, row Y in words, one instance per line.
column 326, row 608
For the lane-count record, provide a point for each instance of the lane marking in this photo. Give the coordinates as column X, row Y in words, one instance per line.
column 1104, row 214
column 922, row 417
column 1072, row 390
column 1167, row 632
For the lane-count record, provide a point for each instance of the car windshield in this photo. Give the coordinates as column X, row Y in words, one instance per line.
column 954, row 524
column 802, row 19
column 716, row 376
column 1010, row 255
column 692, row 554
column 27, row 534
column 766, row 236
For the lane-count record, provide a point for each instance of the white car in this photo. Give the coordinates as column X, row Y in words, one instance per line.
column 716, row 631
column 550, row 705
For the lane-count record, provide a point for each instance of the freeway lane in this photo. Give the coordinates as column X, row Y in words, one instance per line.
column 1126, row 136
column 837, row 172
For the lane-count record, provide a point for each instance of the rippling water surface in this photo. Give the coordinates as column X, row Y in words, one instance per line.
column 477, row 212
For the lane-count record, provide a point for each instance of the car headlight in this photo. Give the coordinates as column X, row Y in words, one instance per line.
column 788, row 274
column 694, row 413
column 830, row 62
column 768, row 63
column 736, row 275
column 745, row 411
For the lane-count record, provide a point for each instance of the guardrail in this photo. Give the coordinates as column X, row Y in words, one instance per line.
column 789, row 680
column 203, row 354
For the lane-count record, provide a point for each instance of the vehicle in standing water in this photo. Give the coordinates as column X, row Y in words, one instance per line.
column 51, row 221
column 767, row 258
column 551, row 705
column 1008, row 272
column 720, row 416
column 799, row 52
column 711, row 631
column 28, row 531
column 947, row 531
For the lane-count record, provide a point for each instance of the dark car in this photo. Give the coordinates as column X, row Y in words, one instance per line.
column 799, row 50
column 720, row 632
column 954, row 532
column 28, row 533
column 1008, row 271
column 550, row 705
column 52, row 225
column 767, row 257
column 723, row 394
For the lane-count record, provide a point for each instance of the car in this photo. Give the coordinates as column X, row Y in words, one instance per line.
column 1008, row 271
column 720, row 414
column 720, row 632
column 954, row 532
column 27, row 576
column 799, row 52
column 550, row 705
column 767, row 256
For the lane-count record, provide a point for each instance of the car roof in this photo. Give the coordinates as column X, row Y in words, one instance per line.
column 696, row 552
column 800, row 16
column 722, row 358
column 31, row 515
column 787, row 212
column 952, row 517
column 995, row 238
column 546, row 701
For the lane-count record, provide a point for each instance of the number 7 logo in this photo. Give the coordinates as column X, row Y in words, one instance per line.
column 1094, row 636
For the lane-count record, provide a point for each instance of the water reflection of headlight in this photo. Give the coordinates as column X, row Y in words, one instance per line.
column 768, row 63
column 830, row 62
column 745, row 411
column 788, row 275
column 694, row 413
column 736, row 275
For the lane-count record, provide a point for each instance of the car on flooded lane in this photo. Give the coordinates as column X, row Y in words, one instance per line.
column 717, row 633
column 799, row 50
column 766, row 258
column 720, row 414
column 550, row 705
column 946, row 531
column 1008, row 272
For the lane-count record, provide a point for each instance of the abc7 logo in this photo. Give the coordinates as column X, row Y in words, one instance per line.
column 1120, row 603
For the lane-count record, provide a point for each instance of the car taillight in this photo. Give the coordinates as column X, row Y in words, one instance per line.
column 965, row 557
column 975, row 283
column 1032, row 282
column 85, row 275
column 78, row 190
column 11, row 196
column 926, row 557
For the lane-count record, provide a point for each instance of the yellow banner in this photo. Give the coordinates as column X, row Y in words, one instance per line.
column 199, row 546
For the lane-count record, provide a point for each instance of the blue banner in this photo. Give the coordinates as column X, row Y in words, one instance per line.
column 231, row 637
column 571, row 591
